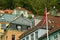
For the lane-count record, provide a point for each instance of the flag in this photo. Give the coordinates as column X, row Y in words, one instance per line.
column 44, row 18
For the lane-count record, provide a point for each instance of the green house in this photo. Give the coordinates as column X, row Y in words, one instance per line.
column 53, row 34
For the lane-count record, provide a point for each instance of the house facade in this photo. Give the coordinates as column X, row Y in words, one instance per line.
column 3, row 26
column 33, row 33
column 55, row 35
column 13, row 31
column 16, row 28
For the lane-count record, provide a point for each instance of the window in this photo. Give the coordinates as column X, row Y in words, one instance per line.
column 23, row 39
column 51, row 21
column 24, row 28
column 55, row 37
column 27, row 38
column 36, row 35
column 59, row 35
column 19, row 27
column 3, row 26
column 13, row 37
column 6, row 37
column 28, row 27
column 32, row 36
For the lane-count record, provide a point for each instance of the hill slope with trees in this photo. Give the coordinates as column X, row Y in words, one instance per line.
column 36, row 6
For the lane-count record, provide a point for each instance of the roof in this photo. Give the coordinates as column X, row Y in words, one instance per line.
column 23, row 21
column 7, row 17
column 50, row 17
column 2, row 11
column 8, row 11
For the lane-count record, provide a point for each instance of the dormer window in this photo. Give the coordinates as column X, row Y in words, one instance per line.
column 3, row 19
column 19, row 27
column 28, row 27
column 52, row 26
column 51, row 21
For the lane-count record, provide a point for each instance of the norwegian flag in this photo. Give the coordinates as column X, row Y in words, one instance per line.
column 44, row 17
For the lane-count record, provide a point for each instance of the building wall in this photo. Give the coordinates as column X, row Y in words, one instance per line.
column 40, row 33
column 2, row 30
column 9, row 34
column 53, row 35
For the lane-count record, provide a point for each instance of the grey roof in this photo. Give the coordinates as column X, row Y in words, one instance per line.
column 23, row 21
column 7, row 17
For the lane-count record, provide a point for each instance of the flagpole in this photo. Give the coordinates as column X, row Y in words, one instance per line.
column 47, row 24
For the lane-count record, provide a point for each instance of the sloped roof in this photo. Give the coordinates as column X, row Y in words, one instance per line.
column 8, row 11
column 22, row 20
column 8, row 18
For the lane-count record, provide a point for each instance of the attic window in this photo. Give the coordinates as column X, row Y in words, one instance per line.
column 3, row 18
column 19, row 27
column 52, row 26
column 51, row 21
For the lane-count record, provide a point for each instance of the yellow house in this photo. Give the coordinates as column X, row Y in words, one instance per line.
column 5, row 19
column 15, row 29
column 11, row 35
column 3, row 25
column 11, row 32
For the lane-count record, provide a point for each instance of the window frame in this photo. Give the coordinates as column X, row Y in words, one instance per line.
column 32, row 36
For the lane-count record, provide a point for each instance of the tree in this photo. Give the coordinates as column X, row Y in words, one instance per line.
column 36, row 6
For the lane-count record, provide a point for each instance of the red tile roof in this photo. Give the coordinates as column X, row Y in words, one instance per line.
column 2, row 11
column 55, row 19
column 8, row 11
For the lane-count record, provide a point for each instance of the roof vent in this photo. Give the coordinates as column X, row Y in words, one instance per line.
column 3, row 18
